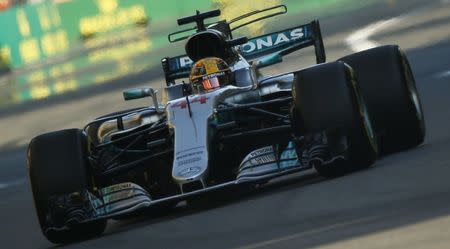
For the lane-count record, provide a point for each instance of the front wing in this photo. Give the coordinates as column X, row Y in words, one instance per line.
column 258, row 166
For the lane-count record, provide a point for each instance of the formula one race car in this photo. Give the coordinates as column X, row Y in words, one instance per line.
column 228, row 126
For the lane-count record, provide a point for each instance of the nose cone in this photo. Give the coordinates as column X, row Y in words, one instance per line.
column 188, row 174
column 191, row 137
column 190, row 164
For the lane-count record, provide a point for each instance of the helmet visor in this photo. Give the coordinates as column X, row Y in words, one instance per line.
column 211, row 83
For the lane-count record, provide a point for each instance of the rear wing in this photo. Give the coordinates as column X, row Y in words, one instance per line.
column 285, row 41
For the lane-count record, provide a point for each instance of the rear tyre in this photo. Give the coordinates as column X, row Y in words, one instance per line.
column 327, row 98
column 388, row 85
column 57, row 166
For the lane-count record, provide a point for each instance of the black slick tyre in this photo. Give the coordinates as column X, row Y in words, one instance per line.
column 327, row 97
column 57, row 165
column 388, row 85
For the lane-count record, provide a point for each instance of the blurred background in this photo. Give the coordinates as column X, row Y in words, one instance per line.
column 53, row 47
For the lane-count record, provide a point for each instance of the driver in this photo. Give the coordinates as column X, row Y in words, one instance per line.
column 208, row 74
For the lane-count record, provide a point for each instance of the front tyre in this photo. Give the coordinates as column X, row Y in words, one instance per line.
column 57, row 164
column 327, row 98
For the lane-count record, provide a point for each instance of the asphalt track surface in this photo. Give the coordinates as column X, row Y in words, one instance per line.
column 401, row 202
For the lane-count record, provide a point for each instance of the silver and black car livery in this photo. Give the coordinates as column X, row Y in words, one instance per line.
column 334, row 116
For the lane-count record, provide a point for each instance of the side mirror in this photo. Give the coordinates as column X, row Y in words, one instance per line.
column 269, row 60
column 138, row 93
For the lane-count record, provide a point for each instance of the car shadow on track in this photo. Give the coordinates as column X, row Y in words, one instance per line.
column 218, row 199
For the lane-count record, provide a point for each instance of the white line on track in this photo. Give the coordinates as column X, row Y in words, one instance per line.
column 443, row 74
column 360, row 39
column 9, row 184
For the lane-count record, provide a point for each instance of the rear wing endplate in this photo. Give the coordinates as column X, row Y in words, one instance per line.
column 288, row 40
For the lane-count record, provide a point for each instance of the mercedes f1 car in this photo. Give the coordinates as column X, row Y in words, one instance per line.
column 228, row 126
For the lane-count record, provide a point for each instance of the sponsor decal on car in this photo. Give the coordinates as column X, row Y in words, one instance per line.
column 190, row 171
column 272, row 40
column 118, row 197
column 189, row 156
column 257, row 157
column 116, row 188
column 262, row 151
column 185, row 61
column 255, row 47
column 265, row 161
column 188, row 162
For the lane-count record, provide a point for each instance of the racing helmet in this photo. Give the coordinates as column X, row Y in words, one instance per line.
column 208, row 74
